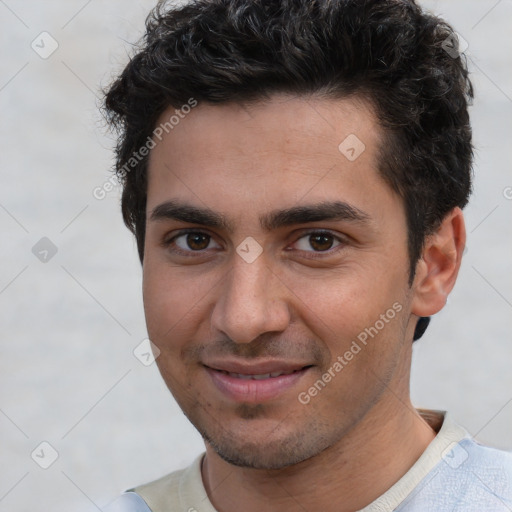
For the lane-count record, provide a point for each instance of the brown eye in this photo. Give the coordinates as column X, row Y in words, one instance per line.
column 317, row 241
column 190, row 242
column 197, row 241
column 321, row 242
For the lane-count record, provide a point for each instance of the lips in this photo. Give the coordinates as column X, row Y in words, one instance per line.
column 260, row 376
column 262, row 367
column 256, row 382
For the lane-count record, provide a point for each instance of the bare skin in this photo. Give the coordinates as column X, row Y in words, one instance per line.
column 300, row 304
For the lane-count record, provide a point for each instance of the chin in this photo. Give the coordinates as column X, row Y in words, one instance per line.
column 275, row 450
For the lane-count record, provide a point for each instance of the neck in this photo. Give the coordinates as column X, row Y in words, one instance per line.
column 363, row 465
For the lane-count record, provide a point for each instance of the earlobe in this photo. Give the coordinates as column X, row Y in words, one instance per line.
column 437, row 270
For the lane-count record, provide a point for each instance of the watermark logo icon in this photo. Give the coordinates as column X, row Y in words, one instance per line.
column 249, row 249
column 351, row 147
column 146, row 352
column 454, row 455
column 44, row 455
column 44, row 45
column 454, row 45
column 44, row 250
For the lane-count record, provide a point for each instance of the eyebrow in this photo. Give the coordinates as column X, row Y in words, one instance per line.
column 325, row 211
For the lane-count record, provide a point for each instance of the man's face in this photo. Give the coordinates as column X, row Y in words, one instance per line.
column 327, row 282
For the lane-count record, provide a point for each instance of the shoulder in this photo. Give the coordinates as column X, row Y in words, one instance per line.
column 166, row 485
column 470, row 456
column 180, row 490
column 470, row 477
column 148, row 497
column 128, row 502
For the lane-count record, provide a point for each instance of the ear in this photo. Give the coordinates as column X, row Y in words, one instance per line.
column 438, row 267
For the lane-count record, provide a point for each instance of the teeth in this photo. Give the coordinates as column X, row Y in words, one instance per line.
column 240, row 376
column 260, row 376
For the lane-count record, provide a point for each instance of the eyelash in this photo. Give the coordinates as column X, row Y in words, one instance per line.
column 312, row 254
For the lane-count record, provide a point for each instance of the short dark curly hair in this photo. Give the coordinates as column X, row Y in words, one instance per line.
column 390, row 52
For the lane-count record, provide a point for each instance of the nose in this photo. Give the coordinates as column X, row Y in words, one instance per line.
column 251, row 301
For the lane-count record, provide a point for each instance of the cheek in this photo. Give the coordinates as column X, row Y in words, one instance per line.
column 342, row 302
column 173, row 300
column 362, row 307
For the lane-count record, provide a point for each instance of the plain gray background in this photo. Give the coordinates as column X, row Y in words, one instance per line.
column 68, row 375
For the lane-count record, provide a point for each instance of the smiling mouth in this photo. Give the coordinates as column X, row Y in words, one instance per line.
column 256, row 387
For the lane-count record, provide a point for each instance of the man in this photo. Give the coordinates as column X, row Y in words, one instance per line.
column 294, row 173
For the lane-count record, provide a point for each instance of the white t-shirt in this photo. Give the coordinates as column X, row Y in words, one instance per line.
column 454, row 474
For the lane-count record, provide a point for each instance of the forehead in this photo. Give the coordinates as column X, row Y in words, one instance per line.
column 286, row 124
column 282, row 150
